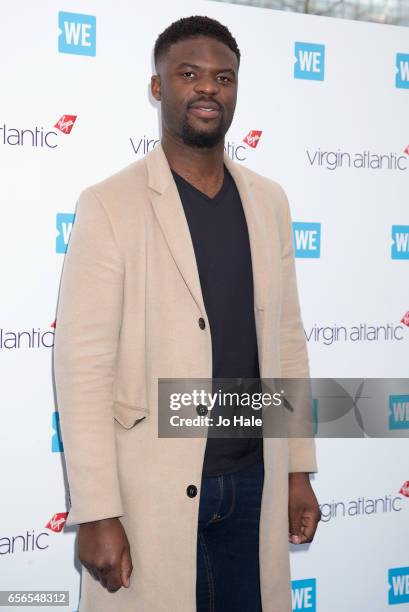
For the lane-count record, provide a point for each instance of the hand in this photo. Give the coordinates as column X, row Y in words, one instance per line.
column 303, row 509
column 103, row 548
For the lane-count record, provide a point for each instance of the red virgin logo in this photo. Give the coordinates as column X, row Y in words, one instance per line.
column 253, row 138
column 57, row 522
column 66, row 123
column 405, row 319
column 405, row 489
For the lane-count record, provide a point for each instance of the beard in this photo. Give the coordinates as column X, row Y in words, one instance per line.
column 203, row 139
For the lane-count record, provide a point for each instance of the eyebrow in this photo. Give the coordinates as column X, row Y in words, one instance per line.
column 189, row 65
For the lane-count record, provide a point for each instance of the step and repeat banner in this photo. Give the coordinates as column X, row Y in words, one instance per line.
column 323, row 109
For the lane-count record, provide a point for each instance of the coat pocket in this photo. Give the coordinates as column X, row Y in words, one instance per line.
column 128, row 416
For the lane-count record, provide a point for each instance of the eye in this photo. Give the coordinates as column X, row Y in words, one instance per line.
column 188, row 74
column 223, row 78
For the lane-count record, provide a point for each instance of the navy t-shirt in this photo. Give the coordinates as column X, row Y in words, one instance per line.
column 221, row 244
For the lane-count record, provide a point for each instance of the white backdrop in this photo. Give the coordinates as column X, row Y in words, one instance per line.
column 330, row 98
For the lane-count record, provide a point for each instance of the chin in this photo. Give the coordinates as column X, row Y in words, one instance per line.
column 201, row 138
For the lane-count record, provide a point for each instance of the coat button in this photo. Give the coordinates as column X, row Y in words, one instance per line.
column 201, row 409
column 191, row 490
column 202, row 323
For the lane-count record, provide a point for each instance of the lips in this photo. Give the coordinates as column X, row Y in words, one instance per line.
column 207, row 110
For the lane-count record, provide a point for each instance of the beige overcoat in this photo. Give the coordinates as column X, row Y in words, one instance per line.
column 128, row 313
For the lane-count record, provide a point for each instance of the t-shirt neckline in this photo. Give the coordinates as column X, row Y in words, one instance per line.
column 215, row 199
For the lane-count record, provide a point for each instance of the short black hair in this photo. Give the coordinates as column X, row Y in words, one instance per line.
column 189, row 27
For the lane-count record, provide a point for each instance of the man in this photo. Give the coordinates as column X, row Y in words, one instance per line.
column 181, row 266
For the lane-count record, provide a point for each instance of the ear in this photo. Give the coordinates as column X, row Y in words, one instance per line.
column 155, row 86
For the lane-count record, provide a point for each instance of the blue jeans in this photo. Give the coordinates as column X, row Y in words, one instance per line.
column 228, row 578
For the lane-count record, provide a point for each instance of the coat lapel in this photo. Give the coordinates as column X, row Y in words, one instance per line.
column 171, row 217
column 256, row 226
column 172, row 220
column 260, row 250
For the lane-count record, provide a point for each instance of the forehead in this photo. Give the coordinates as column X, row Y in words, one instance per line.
column 203, row 51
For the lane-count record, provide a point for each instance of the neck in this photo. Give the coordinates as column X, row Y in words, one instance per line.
column 194, row 163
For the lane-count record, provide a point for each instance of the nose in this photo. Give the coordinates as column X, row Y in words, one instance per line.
column 207, row 85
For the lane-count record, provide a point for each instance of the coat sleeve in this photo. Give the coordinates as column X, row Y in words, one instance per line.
column 293, row 346
column 86, row 337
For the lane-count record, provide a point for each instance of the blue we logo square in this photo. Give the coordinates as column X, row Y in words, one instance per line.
column 64, row 226
column 56, row 441
column 315, row 414
column 398, row 583
column 402, row 71
column 399, row 412
column 400, row 242
column 304, row 595
column 307, row 240
column 78, row 33
column 309, row 61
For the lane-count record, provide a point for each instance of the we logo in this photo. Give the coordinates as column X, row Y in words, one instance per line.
column 309, row 61
column 398, row 582
column 402, row 71
column 64, row 227
column 56, row 440
column 77, row 33
column 307, row 239
column 315, row 414
column 400, row 242
column 304, row 595
column 399, row 412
